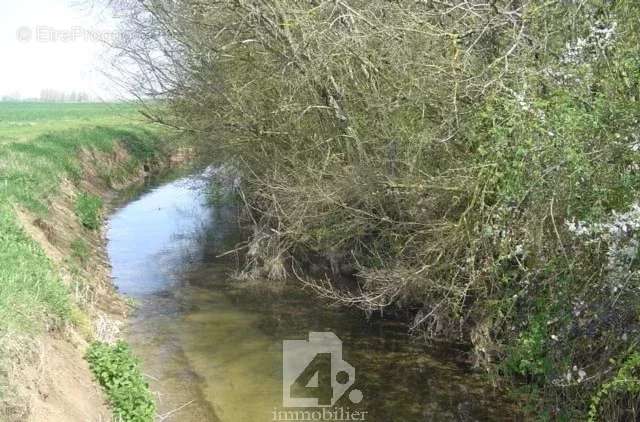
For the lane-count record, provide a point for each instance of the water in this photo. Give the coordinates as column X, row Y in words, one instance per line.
column 212, row 346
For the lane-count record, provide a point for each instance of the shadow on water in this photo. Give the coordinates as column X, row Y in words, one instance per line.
column 215, row 345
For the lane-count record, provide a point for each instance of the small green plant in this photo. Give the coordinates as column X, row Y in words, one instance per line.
column 529, row 355
column 88, row 209
column 117, row 370
column 625, row 383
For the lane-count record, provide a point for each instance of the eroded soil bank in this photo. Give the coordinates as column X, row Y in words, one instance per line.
column 212, row 346
column 49, row 379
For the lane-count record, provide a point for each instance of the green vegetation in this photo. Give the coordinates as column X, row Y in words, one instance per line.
column 116, row 369
column 34, row 160
column 30, row 176
column 88, row 210
column 24, row 121
column 477, row 163
column 612, row 395
column 29, row 286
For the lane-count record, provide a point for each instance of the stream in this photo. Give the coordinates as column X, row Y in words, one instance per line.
column 212, row 347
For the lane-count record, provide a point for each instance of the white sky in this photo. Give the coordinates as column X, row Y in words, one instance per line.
column 58, row 49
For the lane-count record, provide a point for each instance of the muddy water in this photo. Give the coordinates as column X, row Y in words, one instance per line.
column 212, row 347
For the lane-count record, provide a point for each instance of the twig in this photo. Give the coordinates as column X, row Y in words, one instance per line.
column 166, row 415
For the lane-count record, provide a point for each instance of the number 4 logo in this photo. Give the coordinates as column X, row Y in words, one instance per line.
column 314, row 374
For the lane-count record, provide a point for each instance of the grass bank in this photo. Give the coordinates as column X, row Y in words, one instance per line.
column 48, row 151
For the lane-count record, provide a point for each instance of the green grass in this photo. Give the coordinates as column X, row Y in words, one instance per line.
column 21, row 122
column 88, row 210
column 29, row 171
column 29, row 287
column 39, row 148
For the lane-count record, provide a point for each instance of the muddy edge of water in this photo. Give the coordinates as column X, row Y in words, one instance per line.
column 212, row 347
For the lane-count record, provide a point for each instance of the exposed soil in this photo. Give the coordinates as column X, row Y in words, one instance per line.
column 64, row 386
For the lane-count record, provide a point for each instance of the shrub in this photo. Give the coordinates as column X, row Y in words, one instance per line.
column 116, row 369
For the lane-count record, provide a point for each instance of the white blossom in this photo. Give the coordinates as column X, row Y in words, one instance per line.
column 584, row 50
column 621, row 233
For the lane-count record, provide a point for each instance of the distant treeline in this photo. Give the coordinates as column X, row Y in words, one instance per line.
column 52, row 96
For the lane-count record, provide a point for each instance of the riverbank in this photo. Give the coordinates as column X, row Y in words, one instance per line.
column 58, row 166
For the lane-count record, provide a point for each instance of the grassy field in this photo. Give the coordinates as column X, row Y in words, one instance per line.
column 22, row 122
column 39, row 146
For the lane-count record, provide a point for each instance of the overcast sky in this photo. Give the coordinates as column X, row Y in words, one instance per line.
column 53, row 44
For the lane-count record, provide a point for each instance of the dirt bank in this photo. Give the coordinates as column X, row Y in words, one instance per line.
column 51, row 379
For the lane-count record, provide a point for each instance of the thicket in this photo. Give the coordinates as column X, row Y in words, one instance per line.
column 474, row 163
